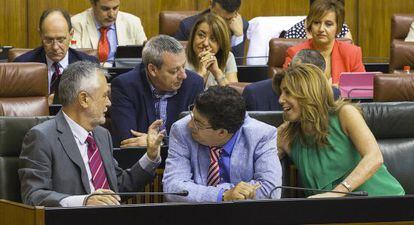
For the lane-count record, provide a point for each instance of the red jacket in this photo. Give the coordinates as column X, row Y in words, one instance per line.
column 345, row 57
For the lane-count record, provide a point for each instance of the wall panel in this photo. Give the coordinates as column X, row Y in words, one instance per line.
column 13, row 23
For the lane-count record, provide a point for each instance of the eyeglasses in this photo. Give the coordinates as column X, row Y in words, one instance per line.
column 197, row 127
column 50, row 41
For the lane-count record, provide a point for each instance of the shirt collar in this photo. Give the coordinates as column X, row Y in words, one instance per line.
column 228, row 147
column 158, row 94
column 79, row 132
column 98, row 26
column 62, row 63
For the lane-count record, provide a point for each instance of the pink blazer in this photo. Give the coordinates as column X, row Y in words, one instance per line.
column 345, row 57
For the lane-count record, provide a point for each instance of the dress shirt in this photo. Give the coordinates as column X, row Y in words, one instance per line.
column 161, row 103
column 80, row 135
column 113, row 41
column 50, row 69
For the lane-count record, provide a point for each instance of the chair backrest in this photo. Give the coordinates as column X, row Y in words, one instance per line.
column 392, row 124
column 169, row 21
column 16, row 52
column 401, row 52
column 393, row 87
column 277, row 52
column 12, row 131
column 24, row 89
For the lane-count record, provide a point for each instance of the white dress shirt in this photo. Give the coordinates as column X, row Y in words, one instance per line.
column 50, row 69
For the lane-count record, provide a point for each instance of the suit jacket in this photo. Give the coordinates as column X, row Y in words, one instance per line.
column 344, row 58
column 254, row 160
column 39, row 55
column 51, row 166
column 186, row 25
column 129, row 30
column 133, row 104
column 260, row 96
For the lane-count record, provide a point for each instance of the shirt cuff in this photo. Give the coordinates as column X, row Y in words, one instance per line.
column 148, row 165
column 72, row 201
column 236, row 40
column 220, row 195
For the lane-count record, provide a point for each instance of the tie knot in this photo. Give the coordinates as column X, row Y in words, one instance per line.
column 216, row 150
column 103, row 30
column 90, row 140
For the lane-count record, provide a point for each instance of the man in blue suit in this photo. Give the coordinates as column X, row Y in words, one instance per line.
column 56, row 33
column 260, row 96
column 228, row 10
column 218, row 153
column 158, row 88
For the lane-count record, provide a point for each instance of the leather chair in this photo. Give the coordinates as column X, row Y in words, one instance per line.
column 277, row 52
column 238, row 86
column 393, row 87
column 16, row 52
column 12, row 131
column 169, row 21
column 24, row 89
column 401, row 52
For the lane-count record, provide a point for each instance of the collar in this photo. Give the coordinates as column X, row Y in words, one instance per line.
column 79, row 132
column 62, row 63
column 229, row 146
column 159, row 94
column 98, row 26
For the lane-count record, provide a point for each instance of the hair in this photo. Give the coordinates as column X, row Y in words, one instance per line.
column 309, row 56
column 320, row 8
column 307, row 84
column 93, row 2
column 47, row 12
column 228, row 5
column 156, row 46
column 77, row 77
column 220, row 31
column 224, row 108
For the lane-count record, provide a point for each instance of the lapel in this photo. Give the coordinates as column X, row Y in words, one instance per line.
column 239, row 150
column 42, row 56
column 336, row 63
column 120, row 28
column 203, row 155
column 71, row 56
column 65, row 137
column 91, row 30
column 147, row 95
column 104, row 149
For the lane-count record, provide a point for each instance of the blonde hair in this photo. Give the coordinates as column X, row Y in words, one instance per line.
column 307, row 84
column 220, row 31
column 320, row 8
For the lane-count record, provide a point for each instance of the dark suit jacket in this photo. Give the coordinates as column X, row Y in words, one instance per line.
column 51, row 166
column 260, row 96
column 184, row 30
column 39, row 55
column 133, row 104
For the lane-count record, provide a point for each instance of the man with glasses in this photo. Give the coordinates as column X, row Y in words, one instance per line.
column 218, row 153
column 67, row 158
column 228, row 10
column 56, row 32
column 158, row 88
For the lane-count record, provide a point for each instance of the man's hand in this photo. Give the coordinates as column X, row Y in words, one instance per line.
column 140, row 140
column 236, row 25
column 241, row 191
column 50, row 99
column 154, row 139
column 103, row 199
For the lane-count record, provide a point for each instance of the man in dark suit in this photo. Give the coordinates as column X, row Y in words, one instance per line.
column 260, row 96
column 65, row 159
column 228, row 10
column 158, row 88
column 56, row 33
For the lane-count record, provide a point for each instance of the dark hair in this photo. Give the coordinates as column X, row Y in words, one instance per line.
column 224, row 108
column 320, row 8
column 47, row 12
column 228, row 5
column 309, row 56
column 93, row 2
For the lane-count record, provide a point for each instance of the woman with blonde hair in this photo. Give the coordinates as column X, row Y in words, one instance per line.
column 208, row 51
column 328, row 141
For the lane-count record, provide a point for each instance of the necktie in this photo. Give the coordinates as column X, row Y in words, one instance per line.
column 103, row 45
column 213, row 177
column 54, row 83
column 96, row 165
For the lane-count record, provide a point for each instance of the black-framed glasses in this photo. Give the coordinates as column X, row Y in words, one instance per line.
column 197, row 126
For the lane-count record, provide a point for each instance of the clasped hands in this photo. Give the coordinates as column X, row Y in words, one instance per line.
column 241, row 191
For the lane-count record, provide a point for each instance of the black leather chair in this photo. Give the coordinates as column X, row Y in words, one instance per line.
column 12, row 131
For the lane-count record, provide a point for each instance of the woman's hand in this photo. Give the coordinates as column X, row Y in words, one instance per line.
column 207, row 59
column 327, row 195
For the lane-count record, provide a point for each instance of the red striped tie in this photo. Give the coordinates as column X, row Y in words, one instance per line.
column 214, row 170
column 103, row 45
column 96, row 165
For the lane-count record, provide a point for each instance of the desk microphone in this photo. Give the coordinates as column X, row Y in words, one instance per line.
column 182, row 193
column 356, row 193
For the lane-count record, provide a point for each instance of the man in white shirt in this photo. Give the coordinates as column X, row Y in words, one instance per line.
column 67, row 158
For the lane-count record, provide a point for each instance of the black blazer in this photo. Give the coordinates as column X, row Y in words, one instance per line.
column 39, row 55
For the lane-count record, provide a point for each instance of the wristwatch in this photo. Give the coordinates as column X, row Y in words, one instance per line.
column 347, row 185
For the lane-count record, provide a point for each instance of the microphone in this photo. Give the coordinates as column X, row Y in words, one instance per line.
column 182, row 193
column 356, row 193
